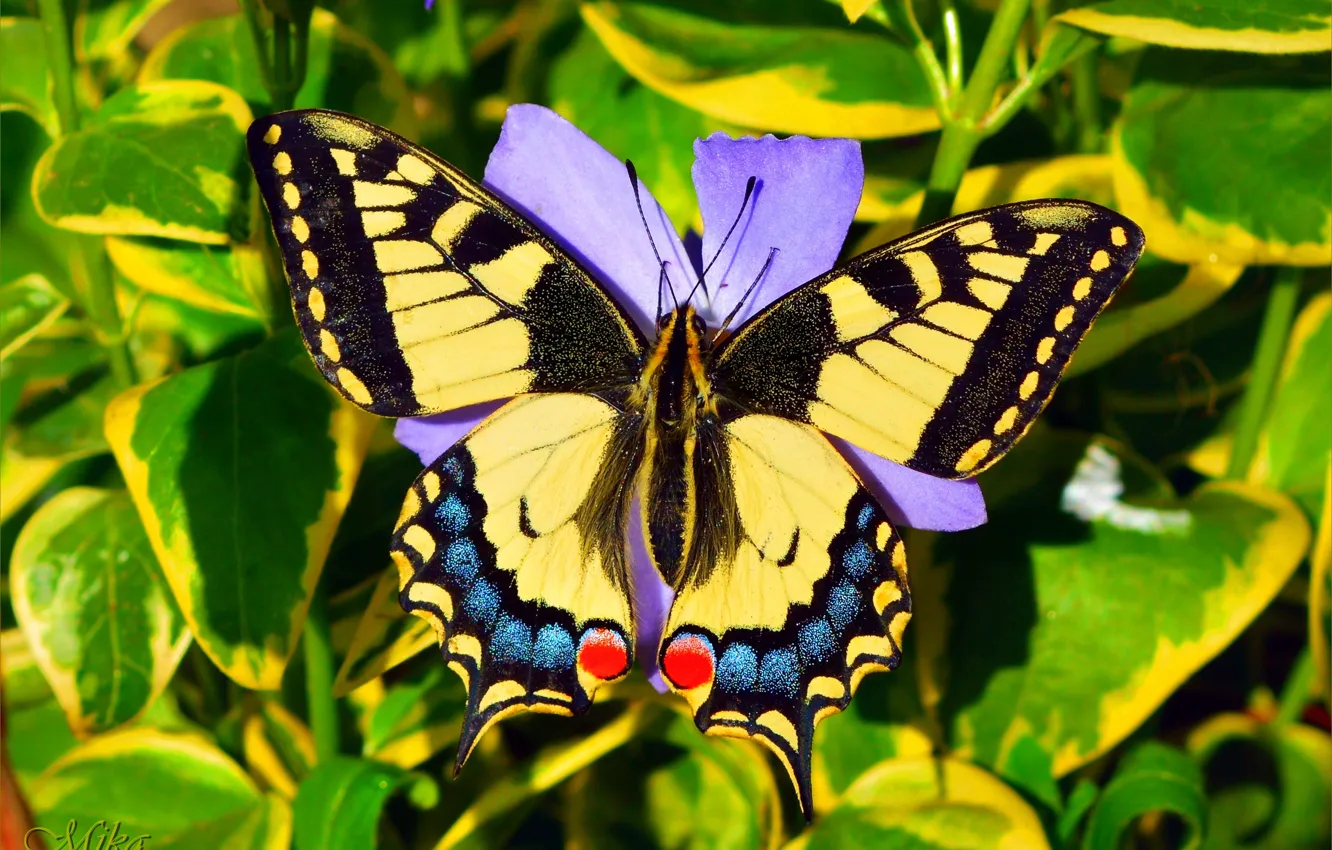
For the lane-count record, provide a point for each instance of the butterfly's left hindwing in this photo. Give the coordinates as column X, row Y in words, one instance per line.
column 940, row 349
column 511, row 546
column 813, row 596
column 416, row 289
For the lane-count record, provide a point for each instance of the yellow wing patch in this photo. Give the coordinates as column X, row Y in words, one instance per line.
column 530, row 601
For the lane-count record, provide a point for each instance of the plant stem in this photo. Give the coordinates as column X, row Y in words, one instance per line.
column 994, row 56
column 902, row 20
column 964, row 129
column 1087, row 103
column 283, row 94
column 1277, row 319
column 60, row 60
column 93, row 279
column 252, row 17
column 319, row 678
column 952, row 44
column 1295, row 693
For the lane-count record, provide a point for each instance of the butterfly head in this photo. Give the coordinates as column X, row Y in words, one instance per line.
column 674, row 381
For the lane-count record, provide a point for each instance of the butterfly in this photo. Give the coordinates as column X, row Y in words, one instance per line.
column 418, row 291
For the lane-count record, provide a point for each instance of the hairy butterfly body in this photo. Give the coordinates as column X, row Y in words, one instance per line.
column 419, row 291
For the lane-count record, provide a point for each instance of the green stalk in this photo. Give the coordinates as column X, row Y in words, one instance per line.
column 55, row 30
column 1295, row 693
column 963, row 131
column 94, row 281
column 1277, row 320
column 283, row 94
column 252, row 17
column 901, row 20
column 318, row 648
column 952, row 44
column 1087, row 103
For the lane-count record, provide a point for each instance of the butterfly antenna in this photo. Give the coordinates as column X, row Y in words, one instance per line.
column 772, row 253
column 633, row 181
column 749, row 193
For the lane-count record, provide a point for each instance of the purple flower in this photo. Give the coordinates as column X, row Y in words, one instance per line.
column 805, row 197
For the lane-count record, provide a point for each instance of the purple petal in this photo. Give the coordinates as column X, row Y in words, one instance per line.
column 432, row 436
column 913, row 498
column 580, row 194
column 652, row 599
column 803, row 204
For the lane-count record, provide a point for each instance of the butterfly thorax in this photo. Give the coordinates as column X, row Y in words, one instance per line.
column 679, row 423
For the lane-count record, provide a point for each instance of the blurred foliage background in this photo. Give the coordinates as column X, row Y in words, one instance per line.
column 202, row 641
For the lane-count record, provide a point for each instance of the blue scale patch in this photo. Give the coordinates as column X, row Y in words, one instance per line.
column 482, row 602
column 511, row 642
column 866, row 517
column 554, row 648
column 452, row 469
column 738, row 668
column 779, row 673
column 453, row 515
column 461, row 561
column 843, row 605
column 816, row 641
column 858, row 559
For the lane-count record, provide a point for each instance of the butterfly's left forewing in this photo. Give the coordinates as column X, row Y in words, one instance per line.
column 416, row 289
column 511, row 546
column 774, row 637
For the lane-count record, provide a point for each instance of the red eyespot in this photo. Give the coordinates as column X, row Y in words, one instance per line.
column 602, row 653
column 688, row 661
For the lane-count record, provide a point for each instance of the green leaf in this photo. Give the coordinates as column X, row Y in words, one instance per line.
column 31, row 246
column 36, row 737
column 1152, row 778
column 161, row 159
column 549, row 768
column 787, row 79
column 1295, row 445
column 881, row 723
column 66, row 422
column 385, row 637
column 1121, row 328
column 95, row 608
column 345, row 71
column 637, row 793
column 241, row 469
column 279, row 748
column 926, row 803
column 417, row 718
column 179, row 789
column 24, row 81
column 231, row 279
column 1264, row 195
column 1268, row 785
column 632, row 121
column 24, row 684
column 1275, row 26
column 27, row 306
column 339, row 804
column 104, row 29
column 1062, row 573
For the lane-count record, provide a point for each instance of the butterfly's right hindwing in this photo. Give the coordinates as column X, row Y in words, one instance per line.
column 418, row 291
